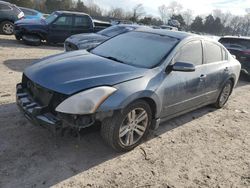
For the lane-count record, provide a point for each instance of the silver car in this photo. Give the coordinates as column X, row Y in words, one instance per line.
column 129, row 84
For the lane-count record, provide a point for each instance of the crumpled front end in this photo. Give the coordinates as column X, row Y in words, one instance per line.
column 38, row 105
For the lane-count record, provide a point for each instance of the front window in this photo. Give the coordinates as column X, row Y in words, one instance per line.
column 115, row 30
column 186, row 53
column 138, row 49
column 51, row 18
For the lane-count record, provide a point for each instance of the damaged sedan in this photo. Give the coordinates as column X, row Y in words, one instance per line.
column 130, row 84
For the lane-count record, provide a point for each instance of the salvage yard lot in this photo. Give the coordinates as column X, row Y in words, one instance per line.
column 204, row 148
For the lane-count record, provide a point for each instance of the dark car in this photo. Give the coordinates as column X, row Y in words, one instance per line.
column 90, row 40
column 54, row 29
column 31, row 13
column 129, row 84
column 9, row 13
column 240, row 47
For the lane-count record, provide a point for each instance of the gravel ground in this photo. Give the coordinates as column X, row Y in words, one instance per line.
column 204, row 148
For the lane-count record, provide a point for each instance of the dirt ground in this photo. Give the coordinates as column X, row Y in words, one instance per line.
column 204, row 148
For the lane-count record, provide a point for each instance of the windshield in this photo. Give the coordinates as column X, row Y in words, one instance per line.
column 51, row 18
column 139, row 49
column 115, row 30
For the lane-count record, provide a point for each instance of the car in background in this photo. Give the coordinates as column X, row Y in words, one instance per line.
column 168, row 27
column 54, row 29
column 31, row 13
column 240, row 47
column 9, row 13
column 129, row 83
column 100, row 25
column 90, row 40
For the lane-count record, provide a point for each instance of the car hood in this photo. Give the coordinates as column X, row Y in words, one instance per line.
column 33, row 22
column 86, row 38
column 71, row 72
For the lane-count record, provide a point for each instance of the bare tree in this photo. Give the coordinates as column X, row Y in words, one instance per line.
column 188, row 16
column 174, row 8
column 137, row 12
column 117, row 13
column 163, row 11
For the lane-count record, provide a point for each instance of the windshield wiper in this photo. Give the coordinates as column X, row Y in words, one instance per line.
column 114, row 59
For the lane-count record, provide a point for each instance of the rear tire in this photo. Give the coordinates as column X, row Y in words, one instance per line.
column 7, row 28
column 125, row 130
column 32, row 40
column 224, row 94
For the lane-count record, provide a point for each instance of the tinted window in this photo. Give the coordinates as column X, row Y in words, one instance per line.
column 234, row 43
column 64, row 21
column 4, row 7
column 115, row 30
column 213, row 52
column 137, row 48
column 190, row 53
column 82, row 21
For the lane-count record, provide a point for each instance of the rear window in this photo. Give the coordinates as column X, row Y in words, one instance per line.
column 82, row 21
column 213, row 52
column 28, row 12
column 234, row 42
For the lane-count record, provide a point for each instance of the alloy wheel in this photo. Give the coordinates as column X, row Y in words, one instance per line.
column 8, row 28
column 133, row 127
column 225, row 94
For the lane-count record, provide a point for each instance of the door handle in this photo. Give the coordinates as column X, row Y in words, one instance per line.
column 202, row 77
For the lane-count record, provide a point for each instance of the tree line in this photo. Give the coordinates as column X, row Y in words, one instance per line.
column 217, row 23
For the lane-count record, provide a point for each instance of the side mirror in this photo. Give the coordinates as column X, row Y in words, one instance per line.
column 183, row 67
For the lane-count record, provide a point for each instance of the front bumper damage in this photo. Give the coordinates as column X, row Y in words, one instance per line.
column 42, row 115
column 34, row 112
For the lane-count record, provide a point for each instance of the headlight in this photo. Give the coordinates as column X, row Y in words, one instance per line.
column 87, row 45
column 85, row 102
column 20, row 15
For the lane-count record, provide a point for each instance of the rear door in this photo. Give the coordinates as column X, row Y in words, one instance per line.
column 185, row 90
column 82, row 24
column 216, row 68
column 60, row 29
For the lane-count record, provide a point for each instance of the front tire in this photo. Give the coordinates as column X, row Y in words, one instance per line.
column 224, row 94
column 125, row 130
column 7, row 28
column 32, row 40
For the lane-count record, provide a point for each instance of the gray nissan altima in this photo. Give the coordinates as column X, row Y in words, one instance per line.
column 130, row 84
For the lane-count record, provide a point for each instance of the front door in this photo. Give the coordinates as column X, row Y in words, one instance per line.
column 185, row 90
column 60, row 29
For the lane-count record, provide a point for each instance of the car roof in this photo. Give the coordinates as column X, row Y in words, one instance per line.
column 235, row 37
column 175, row 34
column 4, row 2
column 71, row 13
column 24, row 8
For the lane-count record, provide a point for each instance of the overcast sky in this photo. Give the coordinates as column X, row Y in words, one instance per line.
column 198, row 6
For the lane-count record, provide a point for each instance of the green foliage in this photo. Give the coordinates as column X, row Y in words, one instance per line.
column 197, row 24
column 53, row 5
column 179, row 18
column 211, row 25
